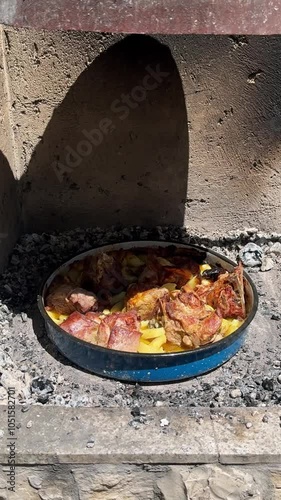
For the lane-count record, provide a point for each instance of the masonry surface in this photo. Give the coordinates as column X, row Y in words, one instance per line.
column 199, row 149
column 107, row 129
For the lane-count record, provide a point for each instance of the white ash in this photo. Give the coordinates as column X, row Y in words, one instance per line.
column 32, row 364
column 251, row 255
column 164, row 422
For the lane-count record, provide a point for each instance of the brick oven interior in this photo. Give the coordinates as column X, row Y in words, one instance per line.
column 108, row 137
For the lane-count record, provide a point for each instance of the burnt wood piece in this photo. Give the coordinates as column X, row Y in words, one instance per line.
column 257, row 17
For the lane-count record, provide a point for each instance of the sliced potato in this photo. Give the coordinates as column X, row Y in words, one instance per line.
column 144, row 324
column 134, row 261
column 56, row 317
column 169, row 347
column 118, row 307
column 152, row 333
column 144, row 341
column 234, row 325
column 149, row 349
column 159, row 341
column 229, row 326
column 169, row 286
column 193, row 282
column 225, row 324
column 53, row 314
column 205, row 282
column 63, row 317
column 106, row 312
column 204, row 267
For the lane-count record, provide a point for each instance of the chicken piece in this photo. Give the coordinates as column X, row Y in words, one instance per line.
column 83, row 327
column 192, row 301
column 178, row 321
column 227, row 294
column 187, row 320
column 209, row 327
column 134, row 289
column 65, row 299
column 120, row 331
column 147, row 303
column 103, row 274
column 188, row 260
column 153, row 274
column 178, row 276
column 202, row 290
column 58, row 300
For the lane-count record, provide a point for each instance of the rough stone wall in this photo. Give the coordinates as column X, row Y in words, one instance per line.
column 199, row 148
column 9, row 207
column 146, row 482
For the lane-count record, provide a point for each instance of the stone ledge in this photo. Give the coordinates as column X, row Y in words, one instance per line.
column 53, row 435
column 248, row 435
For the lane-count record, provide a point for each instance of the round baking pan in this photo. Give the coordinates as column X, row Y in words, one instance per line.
column 136, row 367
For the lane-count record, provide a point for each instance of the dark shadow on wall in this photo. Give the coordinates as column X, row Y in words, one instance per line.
column 116, row 148
column 9, row 210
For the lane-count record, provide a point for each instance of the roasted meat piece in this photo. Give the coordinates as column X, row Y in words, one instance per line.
column 83, row 300
column 178, row 276
column 84, row 327
column 187, row 320
column 227, row 294
column 120, row 331
column 188, row 259
column 65, row 299
column 153, row 273
column 103, row 275
column 147, row 303
column 58, row 300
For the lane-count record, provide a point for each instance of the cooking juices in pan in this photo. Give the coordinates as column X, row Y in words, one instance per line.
column 148, row 300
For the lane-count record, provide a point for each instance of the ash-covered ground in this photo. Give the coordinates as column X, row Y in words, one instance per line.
column 31, row 364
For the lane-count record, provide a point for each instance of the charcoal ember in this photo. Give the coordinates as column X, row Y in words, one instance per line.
column 42, row 388
column 250, row 399
column 136, row 411
column 251, row 255
column 268, row 384
column 276, row 397
column 213, row 273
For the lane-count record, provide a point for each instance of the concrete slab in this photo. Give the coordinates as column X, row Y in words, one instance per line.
column 54, row 435
column 94, row 435
column 247, row 436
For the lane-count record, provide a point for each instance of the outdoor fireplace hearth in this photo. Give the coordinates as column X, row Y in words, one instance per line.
column 41, row 375
column 145, row 120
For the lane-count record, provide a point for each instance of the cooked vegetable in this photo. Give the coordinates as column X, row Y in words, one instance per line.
column 149, row 349
column 119, row 306
column 170, row 286
column 152, row 333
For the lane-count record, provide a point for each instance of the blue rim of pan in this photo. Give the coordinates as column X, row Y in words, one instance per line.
column 211, row 348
